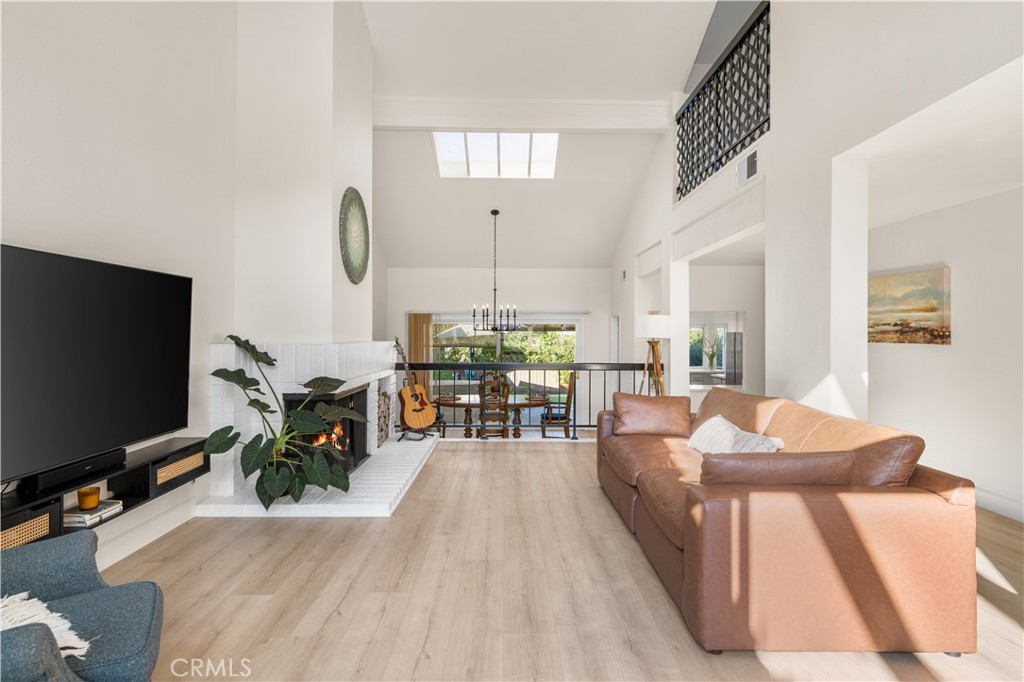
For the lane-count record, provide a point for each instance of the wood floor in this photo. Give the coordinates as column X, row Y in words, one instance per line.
column 504, row 562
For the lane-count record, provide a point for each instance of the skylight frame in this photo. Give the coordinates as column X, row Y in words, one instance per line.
column 468, row 162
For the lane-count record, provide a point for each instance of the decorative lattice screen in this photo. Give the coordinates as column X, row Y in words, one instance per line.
column 728, row 111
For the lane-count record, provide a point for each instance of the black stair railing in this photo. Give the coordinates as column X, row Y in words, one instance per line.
column 729, row 109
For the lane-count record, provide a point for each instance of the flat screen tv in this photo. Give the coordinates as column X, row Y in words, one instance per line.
column 93, row 357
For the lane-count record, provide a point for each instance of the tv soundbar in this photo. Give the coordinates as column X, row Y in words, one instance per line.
column 111, row 459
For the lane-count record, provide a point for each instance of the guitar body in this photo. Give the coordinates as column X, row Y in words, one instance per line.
column 416, row 412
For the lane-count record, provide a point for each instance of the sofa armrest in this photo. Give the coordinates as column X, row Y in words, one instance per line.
column 29, row 653
column 826, row 568
column 953, row 489
column 605, row 424
column 54, row 568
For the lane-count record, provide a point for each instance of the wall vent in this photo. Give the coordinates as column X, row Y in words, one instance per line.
column 746, row 169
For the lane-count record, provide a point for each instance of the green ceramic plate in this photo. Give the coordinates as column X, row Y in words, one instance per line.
column 354, row 233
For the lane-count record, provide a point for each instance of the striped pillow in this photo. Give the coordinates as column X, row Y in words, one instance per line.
column 718, row 435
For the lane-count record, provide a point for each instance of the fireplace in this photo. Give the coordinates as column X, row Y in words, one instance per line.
column 347, row 435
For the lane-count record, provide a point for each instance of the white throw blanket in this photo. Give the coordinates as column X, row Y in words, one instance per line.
column 19, row 609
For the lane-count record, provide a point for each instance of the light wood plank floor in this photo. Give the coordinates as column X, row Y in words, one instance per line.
column 504, row 561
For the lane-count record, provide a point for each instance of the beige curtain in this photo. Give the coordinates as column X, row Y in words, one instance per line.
column 421, row 346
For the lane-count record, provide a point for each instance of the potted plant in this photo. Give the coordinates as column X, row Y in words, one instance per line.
column 286, row 463
column 711, row 346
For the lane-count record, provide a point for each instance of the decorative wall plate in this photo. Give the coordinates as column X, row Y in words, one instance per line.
column 354, row 234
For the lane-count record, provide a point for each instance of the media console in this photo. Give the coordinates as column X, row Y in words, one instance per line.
column 145, row 475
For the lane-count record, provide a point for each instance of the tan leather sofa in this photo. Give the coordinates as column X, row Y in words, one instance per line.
column 884, row 561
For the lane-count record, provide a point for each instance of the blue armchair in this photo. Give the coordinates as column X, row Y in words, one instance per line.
column 122, row 623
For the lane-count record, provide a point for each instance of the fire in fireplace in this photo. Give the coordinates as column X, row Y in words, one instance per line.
column 346, row 435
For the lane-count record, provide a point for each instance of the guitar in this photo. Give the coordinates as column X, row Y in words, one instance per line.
column 416, row 413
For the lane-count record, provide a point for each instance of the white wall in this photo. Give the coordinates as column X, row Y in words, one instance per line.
column 202, row 139
column 284, row 172
column 965, row 399
column 533, row 291
column 380, row 292
column 739, row 288
column 352, row 304
column 841, row 73
column 118, row 137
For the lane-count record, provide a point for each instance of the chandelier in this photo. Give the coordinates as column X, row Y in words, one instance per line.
column 505, row 321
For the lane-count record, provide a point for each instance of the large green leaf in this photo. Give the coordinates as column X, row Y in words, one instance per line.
column 239, row 378
column 305, row 422
column 261, row 406
column 335, row 413
column 323, row 385
column 221, row 440
column 297, row 486
column 276, row 480
column 317, row 470
column 339, row 479
column 255, row 454
column 266, row 499
column 253, row 352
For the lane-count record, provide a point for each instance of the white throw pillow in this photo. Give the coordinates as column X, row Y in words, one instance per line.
column 718, row 435
column 18, row 609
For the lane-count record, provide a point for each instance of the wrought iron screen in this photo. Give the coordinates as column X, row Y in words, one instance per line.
column 729, row 110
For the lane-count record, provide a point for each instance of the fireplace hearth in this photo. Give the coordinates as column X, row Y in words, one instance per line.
column 348, row 436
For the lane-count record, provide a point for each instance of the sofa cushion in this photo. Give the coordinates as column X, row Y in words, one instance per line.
column 812, row 468
column 885, row 456
column 651, row 415
column 629, row 456
column 794, row 423
column 749, row 412
column 122, row 625
column 718, row 434
column 663, row 493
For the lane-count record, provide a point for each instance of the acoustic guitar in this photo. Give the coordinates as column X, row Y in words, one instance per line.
column 416, row 412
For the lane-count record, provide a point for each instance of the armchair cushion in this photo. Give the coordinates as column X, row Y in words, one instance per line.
column 825, row 468
column 652, row 415
column 123, row 626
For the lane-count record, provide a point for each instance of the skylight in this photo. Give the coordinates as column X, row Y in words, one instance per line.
column 496, row 155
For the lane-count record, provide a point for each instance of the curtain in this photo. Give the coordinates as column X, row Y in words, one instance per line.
column 421, row 347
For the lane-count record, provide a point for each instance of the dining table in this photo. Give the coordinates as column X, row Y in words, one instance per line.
column 517, row 402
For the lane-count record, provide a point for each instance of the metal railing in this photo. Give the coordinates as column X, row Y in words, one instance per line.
column 594, row 385
column 729, row 109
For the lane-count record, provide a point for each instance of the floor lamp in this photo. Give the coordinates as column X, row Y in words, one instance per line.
column 654, row 328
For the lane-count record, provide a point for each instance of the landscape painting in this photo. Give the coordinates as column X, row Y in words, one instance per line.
column 909, row 307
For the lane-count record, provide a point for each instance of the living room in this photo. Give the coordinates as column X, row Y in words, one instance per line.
column 216, row 141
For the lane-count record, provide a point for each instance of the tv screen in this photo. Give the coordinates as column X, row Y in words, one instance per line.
column 93, row 357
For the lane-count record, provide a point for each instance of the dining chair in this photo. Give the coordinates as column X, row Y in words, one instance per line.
column 494, row 389
column 558, row 413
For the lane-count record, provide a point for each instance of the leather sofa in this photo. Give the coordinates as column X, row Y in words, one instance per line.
column 764, row 556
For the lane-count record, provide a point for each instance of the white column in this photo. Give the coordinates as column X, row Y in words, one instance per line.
column 848, row 282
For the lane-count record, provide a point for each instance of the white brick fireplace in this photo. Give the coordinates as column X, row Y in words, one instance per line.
column 377, row 485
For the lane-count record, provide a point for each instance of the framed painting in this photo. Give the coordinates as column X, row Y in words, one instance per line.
column 909, row 307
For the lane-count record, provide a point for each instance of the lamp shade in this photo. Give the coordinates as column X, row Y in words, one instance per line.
column 653, row 326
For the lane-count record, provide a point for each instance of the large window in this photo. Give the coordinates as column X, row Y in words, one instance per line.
column 538, row 342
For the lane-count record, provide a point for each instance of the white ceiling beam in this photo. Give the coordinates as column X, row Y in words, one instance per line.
column 428, row 113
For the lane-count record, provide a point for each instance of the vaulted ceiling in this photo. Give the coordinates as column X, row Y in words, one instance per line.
column 588, row 62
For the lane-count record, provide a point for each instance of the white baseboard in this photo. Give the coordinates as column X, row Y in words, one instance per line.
column 1000, row 504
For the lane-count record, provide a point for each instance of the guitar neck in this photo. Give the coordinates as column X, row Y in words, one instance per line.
column 409, row 376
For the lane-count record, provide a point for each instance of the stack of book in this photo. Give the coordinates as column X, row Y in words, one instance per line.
column 76, row 518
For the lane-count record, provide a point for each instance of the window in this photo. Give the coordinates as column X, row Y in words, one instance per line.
column 496, row 155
